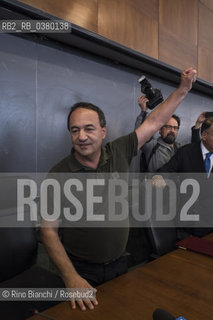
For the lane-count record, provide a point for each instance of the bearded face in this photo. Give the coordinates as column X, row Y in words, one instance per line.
column 169, row 138
column 169, row 131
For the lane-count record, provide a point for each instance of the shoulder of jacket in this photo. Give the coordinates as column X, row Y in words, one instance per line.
column 189, row 146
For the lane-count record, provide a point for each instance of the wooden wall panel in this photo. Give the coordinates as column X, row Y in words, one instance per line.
column 178, row 32
column 81, row 12
column 133, row 23
column 207, row 3
column 205, row 46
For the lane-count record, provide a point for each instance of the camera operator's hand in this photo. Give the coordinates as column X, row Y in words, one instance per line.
column 188, row 76
column 200, row 120
column 161, row 115
column 142, row 101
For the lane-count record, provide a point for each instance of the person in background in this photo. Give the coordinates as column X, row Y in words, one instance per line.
column 192, row 157
column 156, row 152
column 195, row 158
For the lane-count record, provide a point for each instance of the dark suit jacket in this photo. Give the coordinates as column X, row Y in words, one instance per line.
column 187, row 159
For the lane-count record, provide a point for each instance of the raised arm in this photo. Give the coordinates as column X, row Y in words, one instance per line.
column 142, row 100
column 160, row 115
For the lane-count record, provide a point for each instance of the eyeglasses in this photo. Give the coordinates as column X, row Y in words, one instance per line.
column 167, row 126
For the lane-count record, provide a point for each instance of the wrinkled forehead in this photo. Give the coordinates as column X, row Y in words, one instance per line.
column 82, row 116
column 172, row 122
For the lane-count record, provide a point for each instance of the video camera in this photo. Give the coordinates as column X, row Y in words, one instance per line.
column 154, row 95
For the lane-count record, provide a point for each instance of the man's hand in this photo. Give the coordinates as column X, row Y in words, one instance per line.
column 142, row 101
column 161, row 115
column 78, row 283
column 56, row 251
column 188, row 76
column 200, row 120
column 158, row 181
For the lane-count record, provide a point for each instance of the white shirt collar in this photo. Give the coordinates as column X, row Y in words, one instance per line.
column 204, row 150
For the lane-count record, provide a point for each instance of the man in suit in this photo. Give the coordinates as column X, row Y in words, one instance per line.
column 196, row 158
column 191, row 157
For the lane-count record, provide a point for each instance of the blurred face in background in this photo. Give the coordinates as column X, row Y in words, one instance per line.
column 207, row 138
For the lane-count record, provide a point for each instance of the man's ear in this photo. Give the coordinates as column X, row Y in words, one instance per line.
column 104, row 131
column 203, row 135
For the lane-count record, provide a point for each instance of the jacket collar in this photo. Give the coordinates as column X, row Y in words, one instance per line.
column 76, row 166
